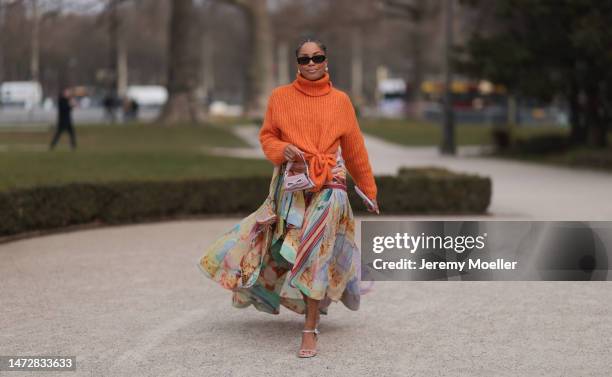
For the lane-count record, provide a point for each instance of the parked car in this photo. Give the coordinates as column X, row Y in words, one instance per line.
column 148, row 95
column 26, row 94
column 392, row 97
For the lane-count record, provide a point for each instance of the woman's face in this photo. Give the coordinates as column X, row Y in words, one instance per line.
column 312, row 70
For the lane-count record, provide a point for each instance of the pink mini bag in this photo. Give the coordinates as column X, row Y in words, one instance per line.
column 296, row 182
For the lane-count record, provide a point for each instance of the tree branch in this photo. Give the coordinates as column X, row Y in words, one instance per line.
column 409, row 9
column 245, row 4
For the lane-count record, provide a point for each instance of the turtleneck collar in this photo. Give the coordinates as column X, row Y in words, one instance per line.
column 313, row 88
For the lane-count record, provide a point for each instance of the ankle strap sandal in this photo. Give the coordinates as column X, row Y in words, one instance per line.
column 316, row 331
column 306, row 352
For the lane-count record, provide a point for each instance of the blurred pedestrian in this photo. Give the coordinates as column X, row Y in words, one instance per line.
column 130, row 110
column 110, row 103
column 135, row 108
column 65, row 103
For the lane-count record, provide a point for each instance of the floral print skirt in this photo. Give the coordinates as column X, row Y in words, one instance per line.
column 296, row 243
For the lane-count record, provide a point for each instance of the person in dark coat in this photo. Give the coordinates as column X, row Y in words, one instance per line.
column 130, row 110
column 110, row 103
column 64, row 119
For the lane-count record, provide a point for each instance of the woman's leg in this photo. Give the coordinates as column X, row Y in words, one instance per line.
column 312, row 317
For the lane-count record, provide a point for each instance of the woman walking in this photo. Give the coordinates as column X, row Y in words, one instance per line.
column 298, row 249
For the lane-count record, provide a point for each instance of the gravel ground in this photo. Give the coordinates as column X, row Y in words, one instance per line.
column 131, row 301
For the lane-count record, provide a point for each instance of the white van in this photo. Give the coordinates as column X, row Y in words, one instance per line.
column 26, row 94
column 148, row 95
column 392, row 94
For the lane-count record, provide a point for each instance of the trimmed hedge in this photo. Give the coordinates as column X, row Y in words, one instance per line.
column 412, row 191
column 590, row 158
column 544, row 144
column 557, row 149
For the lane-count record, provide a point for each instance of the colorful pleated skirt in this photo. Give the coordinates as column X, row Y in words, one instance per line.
column 296, row 243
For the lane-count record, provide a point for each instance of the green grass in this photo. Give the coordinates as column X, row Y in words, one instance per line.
column 422, row 133
column 579, row 157
column 232, row 120
column 109, row 153
column 133, row 137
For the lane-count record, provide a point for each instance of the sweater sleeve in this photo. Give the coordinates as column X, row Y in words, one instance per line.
column 356, row 156
column 270, row 136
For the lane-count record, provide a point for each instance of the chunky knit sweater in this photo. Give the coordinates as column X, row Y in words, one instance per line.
column 317, row 118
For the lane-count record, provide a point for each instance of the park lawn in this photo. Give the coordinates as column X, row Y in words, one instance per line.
column 227, row 121
column 423, row 133
column 134, row 136
column 113, row 153
column 579, row 157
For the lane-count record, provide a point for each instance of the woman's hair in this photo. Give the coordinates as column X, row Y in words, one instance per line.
column 310, row 39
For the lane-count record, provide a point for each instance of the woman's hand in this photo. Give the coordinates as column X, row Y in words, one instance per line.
column 292, row 153
column 372, row 209
column 298, row 167
column 336, row 169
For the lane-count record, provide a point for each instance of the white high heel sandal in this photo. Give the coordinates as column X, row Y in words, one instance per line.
column 308, row 352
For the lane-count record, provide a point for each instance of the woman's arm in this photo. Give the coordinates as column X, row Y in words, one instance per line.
column 270, row 136
column 355, row 154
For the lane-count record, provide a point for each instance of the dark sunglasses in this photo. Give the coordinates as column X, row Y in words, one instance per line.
column 303, row 60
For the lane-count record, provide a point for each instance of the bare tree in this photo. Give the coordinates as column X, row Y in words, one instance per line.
column 352, row 21
column 2, row 42
column 207, row 83
column 16, row 63
column 35, row 54
column 260, row 75
column 288, row 21
column 118, row 52
column 417, row 13
column 183, row 67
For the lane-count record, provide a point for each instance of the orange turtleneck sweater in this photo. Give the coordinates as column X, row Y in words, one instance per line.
column 316, row 117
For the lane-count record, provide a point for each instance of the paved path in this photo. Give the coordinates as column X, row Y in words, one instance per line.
column 130, row 300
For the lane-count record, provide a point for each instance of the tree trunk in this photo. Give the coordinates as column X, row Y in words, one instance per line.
column 283, row 75
column 447, row 145
column 35, row 55
column 208, row 71
column 261, row 72
column 121, row 67
column 597, row 135
column 417, row 49
column 578, row 128
column 183, row 67
column 357, row 68
column 113, row 35
column 2, row 45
